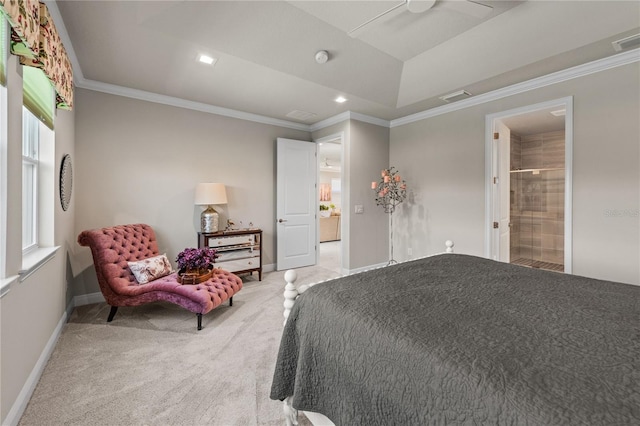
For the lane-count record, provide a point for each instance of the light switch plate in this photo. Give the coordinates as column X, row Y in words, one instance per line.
column 359, row 209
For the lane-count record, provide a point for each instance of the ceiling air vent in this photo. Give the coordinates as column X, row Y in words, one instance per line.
column 626, row 43
column 301, row 115
column 455, row 96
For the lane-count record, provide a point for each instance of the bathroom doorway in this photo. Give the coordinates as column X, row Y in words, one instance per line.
column 529, row 185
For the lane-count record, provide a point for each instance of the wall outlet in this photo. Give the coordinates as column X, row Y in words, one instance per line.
column 410, row 251
column 359, row 209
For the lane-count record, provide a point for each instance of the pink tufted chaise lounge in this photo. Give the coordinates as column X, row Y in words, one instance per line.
column 113, row 247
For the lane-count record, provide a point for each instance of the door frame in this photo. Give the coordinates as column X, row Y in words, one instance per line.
column 344, row 197
column 490, row 210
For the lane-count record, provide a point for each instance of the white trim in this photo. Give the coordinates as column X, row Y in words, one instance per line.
column 3, row 179
column 535, row 83
column 5, row 284
column 35, row 260
column 366, row 268
column 330, row 121
column 18, row 407
column 183, row 103
column 88, row 299
column 348, row 115
column 344, row 200
column 567, row 103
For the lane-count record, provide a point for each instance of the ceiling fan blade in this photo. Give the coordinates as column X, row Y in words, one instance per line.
column 477, row 10
column 360, row 28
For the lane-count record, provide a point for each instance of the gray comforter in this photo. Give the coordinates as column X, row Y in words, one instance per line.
column 456, row 339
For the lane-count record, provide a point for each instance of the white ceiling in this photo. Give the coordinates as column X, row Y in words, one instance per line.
column 395, row 66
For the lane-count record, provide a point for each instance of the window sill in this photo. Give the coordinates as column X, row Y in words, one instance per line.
column 5, row 284
column 35, row 260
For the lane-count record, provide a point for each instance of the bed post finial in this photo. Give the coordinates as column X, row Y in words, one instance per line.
column 290, row 292
column 449, row 245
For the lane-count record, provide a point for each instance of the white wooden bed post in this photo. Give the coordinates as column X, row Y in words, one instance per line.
column 449, row 245
column 290, row 292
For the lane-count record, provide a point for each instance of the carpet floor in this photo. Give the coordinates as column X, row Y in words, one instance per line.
column 151, row 366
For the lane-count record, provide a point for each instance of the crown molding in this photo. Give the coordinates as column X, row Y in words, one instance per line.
column 535, row 83
column 348, row 115
column 370, row 120
column 183, row 103
column 596, row 66
column 330, row 121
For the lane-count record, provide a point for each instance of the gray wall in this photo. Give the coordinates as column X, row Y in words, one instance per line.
column 444, row 160
column 32, row 309
column 366, row 153
column 140, row 162
column 368, row 232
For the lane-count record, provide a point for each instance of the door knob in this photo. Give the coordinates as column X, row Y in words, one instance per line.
column 282, row 220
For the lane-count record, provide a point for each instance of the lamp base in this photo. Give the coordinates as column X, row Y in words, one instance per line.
column 209, row 220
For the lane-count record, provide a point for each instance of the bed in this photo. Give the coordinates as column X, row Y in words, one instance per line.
column 459, row 339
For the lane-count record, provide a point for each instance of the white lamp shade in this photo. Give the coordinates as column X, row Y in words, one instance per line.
column 208, row 194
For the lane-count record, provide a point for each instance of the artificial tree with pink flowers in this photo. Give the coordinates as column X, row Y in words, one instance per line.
column 390, row 192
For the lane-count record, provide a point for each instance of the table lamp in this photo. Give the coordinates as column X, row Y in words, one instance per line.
column 208, row 194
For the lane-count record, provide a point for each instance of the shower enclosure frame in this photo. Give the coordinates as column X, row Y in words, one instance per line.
column 493, row 199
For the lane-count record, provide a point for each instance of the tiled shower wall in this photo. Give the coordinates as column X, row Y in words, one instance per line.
column 537, row 198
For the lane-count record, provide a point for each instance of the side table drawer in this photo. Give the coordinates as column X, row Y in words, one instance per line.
column 231, row 241
column 239, row 264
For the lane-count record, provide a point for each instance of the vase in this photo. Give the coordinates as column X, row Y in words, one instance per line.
column 192, row 276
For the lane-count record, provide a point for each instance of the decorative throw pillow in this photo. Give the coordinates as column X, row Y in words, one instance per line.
column 146, row 270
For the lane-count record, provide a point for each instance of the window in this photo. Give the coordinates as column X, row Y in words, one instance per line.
column 30, row 149
column 38, row 151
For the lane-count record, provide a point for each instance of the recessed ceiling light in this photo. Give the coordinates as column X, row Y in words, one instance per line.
column 559, row 112
column 341, row 99
column 207, row 59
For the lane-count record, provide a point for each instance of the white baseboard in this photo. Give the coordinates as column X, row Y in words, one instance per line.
column 88, row 299
column 365, row 268
column 269, row 268
column 13, row 417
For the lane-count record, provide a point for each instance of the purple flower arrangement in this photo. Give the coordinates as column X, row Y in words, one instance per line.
column 196, row 258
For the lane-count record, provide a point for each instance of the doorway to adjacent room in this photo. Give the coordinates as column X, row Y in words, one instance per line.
column 330, row 202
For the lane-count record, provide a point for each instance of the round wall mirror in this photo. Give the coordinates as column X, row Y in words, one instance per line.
column 66, row 181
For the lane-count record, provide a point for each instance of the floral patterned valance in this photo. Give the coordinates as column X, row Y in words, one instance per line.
column 24, row 17
column 48, row 52
column 53, row 59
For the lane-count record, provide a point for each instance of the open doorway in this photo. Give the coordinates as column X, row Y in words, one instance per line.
column 330, row 203
column 529, row 157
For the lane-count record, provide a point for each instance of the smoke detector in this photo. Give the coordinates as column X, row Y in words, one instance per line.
column 322, row 56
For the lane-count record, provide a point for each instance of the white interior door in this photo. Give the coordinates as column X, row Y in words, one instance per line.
column 296, row 204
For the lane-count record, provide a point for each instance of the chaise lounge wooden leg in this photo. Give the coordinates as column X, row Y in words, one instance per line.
column 231, row 301
column 199, row 321
column 112, row 313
